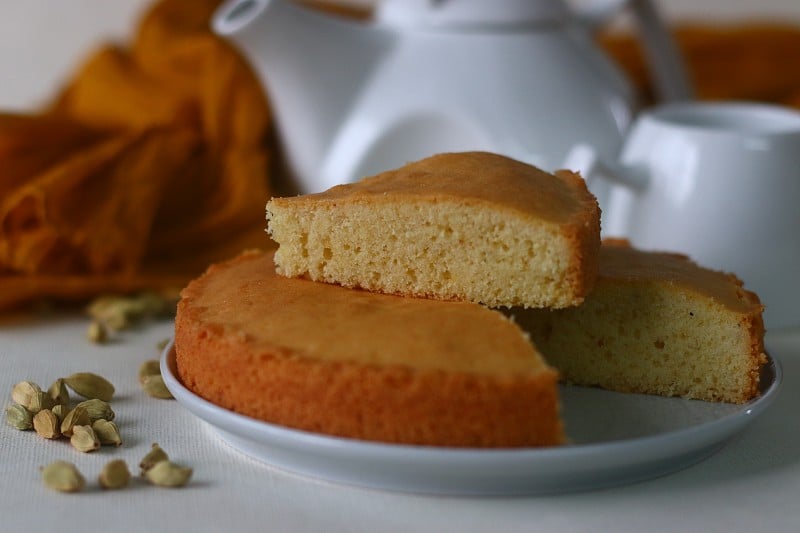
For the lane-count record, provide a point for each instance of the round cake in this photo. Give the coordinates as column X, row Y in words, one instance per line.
column 353, row 363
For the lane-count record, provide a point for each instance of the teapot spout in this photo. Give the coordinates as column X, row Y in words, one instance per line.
column 312, row 66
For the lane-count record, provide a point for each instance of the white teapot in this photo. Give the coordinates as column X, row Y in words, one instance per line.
column 517, row 77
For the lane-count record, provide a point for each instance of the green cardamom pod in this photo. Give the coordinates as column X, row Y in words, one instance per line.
column 97, row 409
column 76, row 417
column 84, row 439
column 155, row 455
column 122, row 312
column 18, row 417
column 38, row 401
column 90, row 386
column 154, row 386
column 113, row 311
column 46, row 424
column 107, row 432
column 115, row 475
column 24, row 391
column 168, row 474
column 149, row 368
column 97, row 332
column 63, row 476
column 60, row 410
column 58, row 392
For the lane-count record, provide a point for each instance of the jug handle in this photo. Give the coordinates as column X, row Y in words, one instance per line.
column 584, row 159
column 603, row 177
column 670, row 79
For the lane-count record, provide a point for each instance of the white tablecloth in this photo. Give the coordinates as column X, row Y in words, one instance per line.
column 753, row 484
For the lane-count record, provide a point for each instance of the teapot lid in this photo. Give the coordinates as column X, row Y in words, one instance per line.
column 464, row 14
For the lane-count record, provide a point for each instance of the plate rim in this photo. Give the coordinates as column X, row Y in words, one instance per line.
column 702, row 439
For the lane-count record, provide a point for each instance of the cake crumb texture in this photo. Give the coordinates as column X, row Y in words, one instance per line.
column 470, row 226
column 657, row 323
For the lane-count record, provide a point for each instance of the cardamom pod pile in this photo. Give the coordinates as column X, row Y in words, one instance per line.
column 89, row 424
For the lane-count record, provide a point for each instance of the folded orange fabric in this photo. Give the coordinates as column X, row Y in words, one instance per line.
column 151, row 163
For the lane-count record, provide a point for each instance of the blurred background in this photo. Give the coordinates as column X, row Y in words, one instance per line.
column 42, row 42
column 135, row 151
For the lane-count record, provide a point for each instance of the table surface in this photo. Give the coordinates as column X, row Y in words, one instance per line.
column 752, row 484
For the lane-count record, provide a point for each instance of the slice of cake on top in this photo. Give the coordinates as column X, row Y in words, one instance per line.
column 468, row 226
column 352, row 363
column 657, row 323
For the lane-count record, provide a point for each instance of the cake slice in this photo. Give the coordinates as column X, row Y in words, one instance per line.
column 657, row 323
column 469, row 226
column 353, row 363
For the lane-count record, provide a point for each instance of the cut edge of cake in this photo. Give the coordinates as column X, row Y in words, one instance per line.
column 466, row 226
column 662, row 325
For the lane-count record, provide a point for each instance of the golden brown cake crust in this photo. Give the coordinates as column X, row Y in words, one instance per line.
column 624, row 263
column 503, row 182
column 227, row 355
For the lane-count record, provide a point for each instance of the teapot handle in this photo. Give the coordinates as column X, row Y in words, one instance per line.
column 669, row 75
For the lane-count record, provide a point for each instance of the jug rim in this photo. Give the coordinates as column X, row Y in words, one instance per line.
column 737, row 117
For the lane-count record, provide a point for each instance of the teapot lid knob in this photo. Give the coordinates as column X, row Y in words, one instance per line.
column 455, row 14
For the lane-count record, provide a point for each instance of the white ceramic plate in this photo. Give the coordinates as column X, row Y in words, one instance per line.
column 617, row 439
